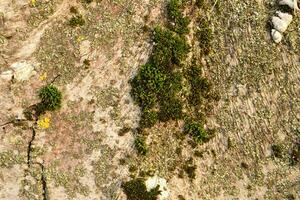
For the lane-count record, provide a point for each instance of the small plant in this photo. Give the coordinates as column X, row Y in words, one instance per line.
column 50, row 99
column 197, row 131
column 136, row 190
column 77, row 20
column 141, row 146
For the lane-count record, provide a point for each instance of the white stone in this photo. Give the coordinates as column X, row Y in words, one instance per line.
column 22, row 71
column 281, row 22
column 6, row 75
column 276, row 36
column 291, row 3
column 154, row 181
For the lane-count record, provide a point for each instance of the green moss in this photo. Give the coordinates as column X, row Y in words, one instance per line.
column 200, row 3
column 179, row 23
column 73, row 10
column 277, row 150
column 136, row 190
column 295, row 154
column 170, row 109
column 87, row 1
column 141, row 146
column 205, row 36
column 200, row 87
column 51, row 99
column 190, row 170
column 169, row 49
column 147, row 84
column 197, row 131
column 148, row 118
column 77, row 20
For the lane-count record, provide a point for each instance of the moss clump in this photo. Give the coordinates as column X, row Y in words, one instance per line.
column 51, row 99
column 77, row 20
column 179, row 23
column 136, row 190
column 170, row 109
column 190, row 170
column 156, row 85
column 87, row 1
column 277, row 150
column 295, row 154
column 200, row 87
column 205, row 36
column 148, row 119
column 200, row 3
column 147, row 84
column 197, row 131
column 73, row 10
column 141, row 146
column 169, row 49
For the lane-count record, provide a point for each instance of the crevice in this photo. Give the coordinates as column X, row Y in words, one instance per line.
column 44, row 181
column 29, row 149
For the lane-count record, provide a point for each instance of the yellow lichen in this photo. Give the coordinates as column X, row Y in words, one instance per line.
column 33, row 2
column 80, row 38
column 44, row 123
column 43, row 76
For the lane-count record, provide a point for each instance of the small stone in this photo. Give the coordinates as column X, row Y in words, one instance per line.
column 291, row 3
column 6, row 75
column 282, row 21
column 22, row 71
column 276, row 36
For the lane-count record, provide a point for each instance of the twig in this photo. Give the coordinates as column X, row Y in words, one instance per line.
column 54, row 79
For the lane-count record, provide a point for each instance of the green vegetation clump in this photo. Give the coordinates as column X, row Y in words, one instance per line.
column 200, row 86
column 199, row 3
column 141, row 146
column 148, row 118
column 160, row 88
column 295, row 154
column 169, row 49
column 205, row 36
column 277, row 150
column 136, row 190
column 51, row 98
column 156, row 84
column 190, row 171
column 147, row 84
column 77, row 20
column 179, row 23
column 171, row 109
column 197, row 131
column 87, row 1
